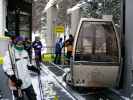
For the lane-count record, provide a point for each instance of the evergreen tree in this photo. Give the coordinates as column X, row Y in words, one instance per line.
column 97, row 8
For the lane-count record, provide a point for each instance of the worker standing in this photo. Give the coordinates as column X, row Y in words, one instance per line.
column 58, row 49
column 37, row 45
column 69, row 44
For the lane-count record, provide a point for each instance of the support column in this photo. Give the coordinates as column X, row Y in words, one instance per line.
column 2, row 16
column 128, row 48
column 51, row 17
column 75, row 18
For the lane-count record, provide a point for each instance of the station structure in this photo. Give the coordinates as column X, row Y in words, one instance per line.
column 14, row 12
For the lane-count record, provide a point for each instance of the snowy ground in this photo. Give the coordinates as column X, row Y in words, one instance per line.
column 83, row 95
column 51, row 88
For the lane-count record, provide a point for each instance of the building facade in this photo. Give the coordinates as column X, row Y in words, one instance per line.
column 16, row 17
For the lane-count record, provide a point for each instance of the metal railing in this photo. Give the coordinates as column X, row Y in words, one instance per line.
column 49, row 56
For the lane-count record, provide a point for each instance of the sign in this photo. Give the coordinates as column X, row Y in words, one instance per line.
column 59, row 29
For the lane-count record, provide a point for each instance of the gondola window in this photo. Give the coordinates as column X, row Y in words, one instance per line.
column 97, row 42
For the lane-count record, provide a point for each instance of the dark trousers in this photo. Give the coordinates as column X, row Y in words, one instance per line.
column 29, row 93
column 29, row 51
column 38, row 58
column 57, row 59
column 69, row 55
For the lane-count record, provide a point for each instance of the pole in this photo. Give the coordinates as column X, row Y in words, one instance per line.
column 128, row 75
column 14, row 68
column 39, row 80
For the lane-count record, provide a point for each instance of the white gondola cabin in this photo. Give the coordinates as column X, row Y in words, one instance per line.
column 96, row 54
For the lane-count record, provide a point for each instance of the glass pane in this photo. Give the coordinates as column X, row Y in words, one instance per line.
column 97, row 43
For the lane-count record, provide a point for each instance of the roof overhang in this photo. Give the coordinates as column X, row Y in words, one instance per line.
column 51, row 3
column 95, row 20
column 76, row 7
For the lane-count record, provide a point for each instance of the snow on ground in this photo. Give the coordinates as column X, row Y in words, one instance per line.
column 59, row 78
column 47, row 86
column 49, row 83
column 125, row 98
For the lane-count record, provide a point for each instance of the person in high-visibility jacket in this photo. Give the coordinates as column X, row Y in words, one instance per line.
column 69, row 44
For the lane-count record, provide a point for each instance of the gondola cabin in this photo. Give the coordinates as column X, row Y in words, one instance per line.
column 96, row 54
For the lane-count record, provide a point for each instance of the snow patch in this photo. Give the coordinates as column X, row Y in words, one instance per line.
column 125, row 98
